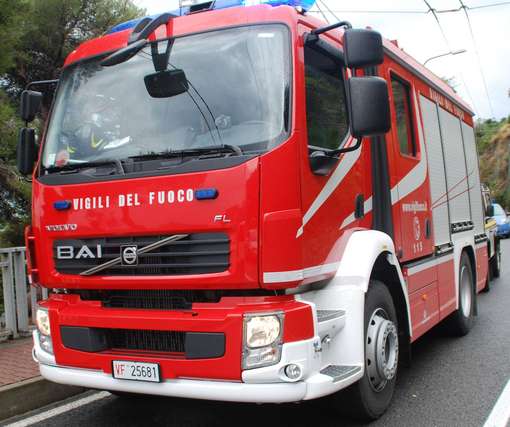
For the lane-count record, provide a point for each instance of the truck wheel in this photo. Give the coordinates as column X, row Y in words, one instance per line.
column 495, row 262
column 490, row 276
column 370, row 397
column 462, row 320
column 487, row 287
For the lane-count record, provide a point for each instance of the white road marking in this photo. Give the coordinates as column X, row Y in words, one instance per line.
column 500, row 415
column 59, row 410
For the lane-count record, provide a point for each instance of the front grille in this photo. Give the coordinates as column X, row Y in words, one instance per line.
column 190, row 345
column 199, row 253
column 153, row 341
column 169, row 299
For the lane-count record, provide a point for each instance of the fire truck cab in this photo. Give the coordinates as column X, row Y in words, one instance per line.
column 241, row 203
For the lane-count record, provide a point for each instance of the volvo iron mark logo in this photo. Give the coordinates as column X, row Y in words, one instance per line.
column 129, row 255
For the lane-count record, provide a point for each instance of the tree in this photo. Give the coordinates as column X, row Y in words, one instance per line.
column 14, row 192
column 36, row 38
column 11, row 18
column 493, row 141
column 53, row 28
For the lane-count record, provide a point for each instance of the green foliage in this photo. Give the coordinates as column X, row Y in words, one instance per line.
column 36, row 38
column 14, row 193
column 486, row 131
column 11, row 18
column 493, row 142
column 53, row 28
column 9, row 126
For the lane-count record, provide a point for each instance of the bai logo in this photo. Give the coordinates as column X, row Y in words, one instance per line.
column 70, row 252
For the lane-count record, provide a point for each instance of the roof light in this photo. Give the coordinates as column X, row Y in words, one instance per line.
column 222, row 4
column 188, row 6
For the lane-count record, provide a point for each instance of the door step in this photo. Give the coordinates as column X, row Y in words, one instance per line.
column 325, row 315
column 339, row 373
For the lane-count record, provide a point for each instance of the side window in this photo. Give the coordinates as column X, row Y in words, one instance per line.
column 403, row 111
column 326, row 110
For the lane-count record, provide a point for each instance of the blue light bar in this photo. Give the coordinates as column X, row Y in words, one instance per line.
column 206, row 194
column 222, row 4
column 62, row 205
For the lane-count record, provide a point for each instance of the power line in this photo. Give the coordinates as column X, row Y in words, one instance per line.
column 443, row 34
column 418, row 12
column 422, row 12
column 477, row 52
column 329, row 10
column 322, row 13
column 435, row 13
column 485, row 6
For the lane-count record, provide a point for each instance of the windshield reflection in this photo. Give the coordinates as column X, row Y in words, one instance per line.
column 238, row 91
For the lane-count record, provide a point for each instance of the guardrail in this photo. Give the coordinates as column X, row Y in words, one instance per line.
column 19, row 299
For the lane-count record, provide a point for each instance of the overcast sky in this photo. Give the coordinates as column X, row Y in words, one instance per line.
column 419, row 35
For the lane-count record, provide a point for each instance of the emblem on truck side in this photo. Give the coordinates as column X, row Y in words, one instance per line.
column 62, row 227
column 129, row 254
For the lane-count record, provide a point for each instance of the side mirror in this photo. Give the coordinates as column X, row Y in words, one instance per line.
column 166, row 84
column 490, row 211
column 30, row 104
column 369, row 106
column 363, row 48
column 26, row 151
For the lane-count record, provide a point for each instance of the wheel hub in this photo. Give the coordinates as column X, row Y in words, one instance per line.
column 465, row 292
column 381, row 350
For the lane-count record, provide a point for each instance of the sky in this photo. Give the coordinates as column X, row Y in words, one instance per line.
column 419, row 35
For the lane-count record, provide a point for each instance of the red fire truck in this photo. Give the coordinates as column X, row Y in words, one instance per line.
column 240, row 203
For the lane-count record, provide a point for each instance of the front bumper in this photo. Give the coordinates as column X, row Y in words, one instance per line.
column 257, row 386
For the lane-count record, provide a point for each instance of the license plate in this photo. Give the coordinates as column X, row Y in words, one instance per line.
column 136, row 371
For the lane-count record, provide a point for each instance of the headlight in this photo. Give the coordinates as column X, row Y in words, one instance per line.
column 43, row 325
column 262, row 341
column 43, row 321
column 46, row 343
column 262, row 331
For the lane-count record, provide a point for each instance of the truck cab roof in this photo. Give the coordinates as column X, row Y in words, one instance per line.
column 211, row 20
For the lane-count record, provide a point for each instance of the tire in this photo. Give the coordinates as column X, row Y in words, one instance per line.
column 463, row 319
column 495, row 263
column 487, row 287
column 370, row 397
column 490, row 275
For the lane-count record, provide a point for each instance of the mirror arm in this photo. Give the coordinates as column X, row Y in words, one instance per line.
column 152, row 26
column 348, row 149
column 138, row 29
column 314, row 34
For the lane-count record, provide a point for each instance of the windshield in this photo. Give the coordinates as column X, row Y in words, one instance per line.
column 499, row 211
column 238, row 95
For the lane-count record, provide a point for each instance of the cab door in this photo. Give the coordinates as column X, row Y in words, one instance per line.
column 408, row 168
column 332, row 200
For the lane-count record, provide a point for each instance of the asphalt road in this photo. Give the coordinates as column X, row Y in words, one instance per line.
column 452, row 382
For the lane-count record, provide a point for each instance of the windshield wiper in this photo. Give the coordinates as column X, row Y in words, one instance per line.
column 75, row 167
column 190, row 152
